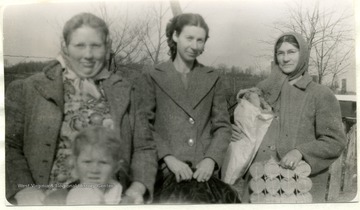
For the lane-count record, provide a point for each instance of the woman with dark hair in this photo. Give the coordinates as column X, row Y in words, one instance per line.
column 307, row 124
column 45, row 112
column 186, row 105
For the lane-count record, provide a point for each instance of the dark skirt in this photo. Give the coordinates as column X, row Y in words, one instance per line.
column 214, row 191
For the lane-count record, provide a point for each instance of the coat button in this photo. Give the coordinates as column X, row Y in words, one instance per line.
column 191, row 142
column 191, row 121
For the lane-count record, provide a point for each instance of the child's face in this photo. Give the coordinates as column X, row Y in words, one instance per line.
column 95, row 166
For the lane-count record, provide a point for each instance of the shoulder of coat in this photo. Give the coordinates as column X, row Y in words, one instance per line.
column 317, row 88
column 162, row 66
column 53, row 69
column 321, row 93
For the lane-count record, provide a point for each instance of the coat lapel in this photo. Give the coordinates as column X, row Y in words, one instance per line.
column 201, row 81
column 117, row 91
column 51, row 86
column 166, row 78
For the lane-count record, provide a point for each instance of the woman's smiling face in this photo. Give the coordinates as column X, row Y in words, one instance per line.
column 288, row 57
column 190, row 42
column 87, row 51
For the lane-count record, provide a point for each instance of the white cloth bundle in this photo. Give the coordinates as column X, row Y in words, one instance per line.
column 253, row 122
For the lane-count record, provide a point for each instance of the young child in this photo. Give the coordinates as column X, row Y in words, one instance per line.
column 95, row 159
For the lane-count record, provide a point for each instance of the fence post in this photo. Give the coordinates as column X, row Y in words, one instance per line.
column 350, row 161
column 335, row 179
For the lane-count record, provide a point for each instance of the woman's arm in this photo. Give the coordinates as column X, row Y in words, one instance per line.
column 144, row 161
column 329, row 132
column 221, row 132
column 221, row 127
column 18, row 175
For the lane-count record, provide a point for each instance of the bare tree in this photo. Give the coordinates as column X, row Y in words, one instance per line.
column 327, row 33
column 153, row 37
column 136, row 40
column 340, row 65
column 125, row 31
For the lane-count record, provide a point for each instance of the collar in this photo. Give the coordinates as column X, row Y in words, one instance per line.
column 53, row 70
column 304, row 81
column 169, row 65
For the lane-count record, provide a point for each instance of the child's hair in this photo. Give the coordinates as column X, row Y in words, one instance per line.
column 100, row 137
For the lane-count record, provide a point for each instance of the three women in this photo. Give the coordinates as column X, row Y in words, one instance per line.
column 182, row 101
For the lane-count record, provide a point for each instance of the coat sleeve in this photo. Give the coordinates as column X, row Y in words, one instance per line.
column 17, row 170
column 221, row 127
column 329, row 133
column 149, row 110
column 144, row 161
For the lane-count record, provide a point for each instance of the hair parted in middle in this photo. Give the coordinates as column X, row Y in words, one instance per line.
column 85, row 19
column 286, row 38
column 177, row 23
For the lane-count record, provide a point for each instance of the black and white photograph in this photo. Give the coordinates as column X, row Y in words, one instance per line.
column 180, row 102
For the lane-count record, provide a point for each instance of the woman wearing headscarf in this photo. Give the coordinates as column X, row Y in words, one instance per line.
column 307, row 124
column 45, row 112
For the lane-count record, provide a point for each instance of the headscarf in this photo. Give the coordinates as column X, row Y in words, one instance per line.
column 273, row 85
column 85, row 85
column 278, row 92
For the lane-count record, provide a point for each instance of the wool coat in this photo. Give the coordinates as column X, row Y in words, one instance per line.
column 34, row 114
column 308, row 119
column 315, row 129
column 190, row 124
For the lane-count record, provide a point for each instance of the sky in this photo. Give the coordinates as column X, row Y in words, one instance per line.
column 237, row 27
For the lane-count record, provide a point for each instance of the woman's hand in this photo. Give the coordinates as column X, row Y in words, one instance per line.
column 204, row 170
column 181, row 170
column 30, row 196
column 237, row 134
column 291, row 159
column 134, row 194
column 132, row 199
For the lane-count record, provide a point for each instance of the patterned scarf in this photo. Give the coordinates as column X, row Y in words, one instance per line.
column 85, row 85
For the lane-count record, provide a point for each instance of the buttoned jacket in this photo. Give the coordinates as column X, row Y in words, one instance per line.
column 34, row 114
column 190, row 124
column 314, row 128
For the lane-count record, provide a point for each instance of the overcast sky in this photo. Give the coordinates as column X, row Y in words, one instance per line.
column 236, row 27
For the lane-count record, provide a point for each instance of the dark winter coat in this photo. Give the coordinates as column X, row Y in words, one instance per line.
column 34, row 114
